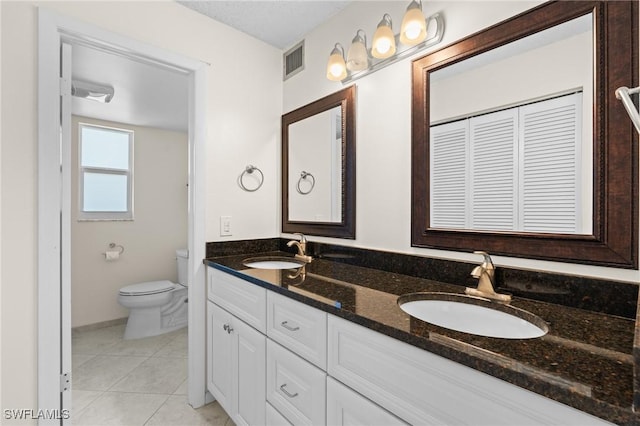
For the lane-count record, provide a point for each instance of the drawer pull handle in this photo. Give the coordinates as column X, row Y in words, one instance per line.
column 286, row 325
column 290, row 395
column 227, row 328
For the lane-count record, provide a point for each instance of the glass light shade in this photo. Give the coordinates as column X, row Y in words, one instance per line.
column 357, row 58
column 414, row 25
column 384, row 42
column 336, row 68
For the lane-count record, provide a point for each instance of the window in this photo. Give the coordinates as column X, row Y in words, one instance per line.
column 106, row 173
column 516, row 169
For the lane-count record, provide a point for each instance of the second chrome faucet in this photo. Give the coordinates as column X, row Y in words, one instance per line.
column 302, row 248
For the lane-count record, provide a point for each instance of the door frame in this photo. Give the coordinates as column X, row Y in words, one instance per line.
column 54, row 301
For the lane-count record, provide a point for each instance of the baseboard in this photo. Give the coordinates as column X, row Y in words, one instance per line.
column 98, row 325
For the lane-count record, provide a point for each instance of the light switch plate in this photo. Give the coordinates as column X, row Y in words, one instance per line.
column 225, row 226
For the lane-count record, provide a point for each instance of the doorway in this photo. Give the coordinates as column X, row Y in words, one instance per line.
column 54, row 241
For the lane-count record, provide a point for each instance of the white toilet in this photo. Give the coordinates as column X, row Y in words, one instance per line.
column 157, row 307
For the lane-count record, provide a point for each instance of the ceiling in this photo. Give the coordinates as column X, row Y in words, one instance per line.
column 280, row 23
column 144, row 94
column 151, row 96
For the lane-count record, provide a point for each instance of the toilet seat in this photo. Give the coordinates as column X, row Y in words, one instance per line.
column 147, row 288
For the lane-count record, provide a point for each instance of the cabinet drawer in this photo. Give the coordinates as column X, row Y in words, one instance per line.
column 298, row 327
column 241, row 298
column 274, row 418
column 296, row 388
column 423, row 388
column 346, row 407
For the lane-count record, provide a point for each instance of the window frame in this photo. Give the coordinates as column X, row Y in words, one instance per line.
column 82, row 170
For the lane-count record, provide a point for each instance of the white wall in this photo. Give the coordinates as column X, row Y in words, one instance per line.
column 244, row 104
column 383, row 129
column 150, row 240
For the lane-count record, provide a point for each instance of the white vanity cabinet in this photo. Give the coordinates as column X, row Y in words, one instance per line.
column 276, row 361
column 236, row 350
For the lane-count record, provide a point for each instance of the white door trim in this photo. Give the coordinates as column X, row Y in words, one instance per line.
column 52, row 28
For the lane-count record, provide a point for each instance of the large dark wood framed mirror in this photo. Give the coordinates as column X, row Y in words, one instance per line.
column 484, row 175
column 318, row 167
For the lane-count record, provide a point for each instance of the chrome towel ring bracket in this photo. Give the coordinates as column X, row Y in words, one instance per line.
column 305, row 176
column 248, row 172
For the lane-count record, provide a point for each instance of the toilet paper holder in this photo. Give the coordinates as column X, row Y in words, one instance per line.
column 114, row 246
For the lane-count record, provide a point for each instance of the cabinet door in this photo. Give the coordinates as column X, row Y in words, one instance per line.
column 347, row 407
column 249, row 373
column 219, row 356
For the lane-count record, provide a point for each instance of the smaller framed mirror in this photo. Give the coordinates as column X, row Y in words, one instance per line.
column 318, row 167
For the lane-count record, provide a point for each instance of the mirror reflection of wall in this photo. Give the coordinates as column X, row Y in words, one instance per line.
column 504, row 154
column 315, row 172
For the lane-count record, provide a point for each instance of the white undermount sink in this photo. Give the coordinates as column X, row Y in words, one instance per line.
column 272, row 262
column 473, row 315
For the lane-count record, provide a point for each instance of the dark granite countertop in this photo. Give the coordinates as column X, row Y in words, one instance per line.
column 585, row 361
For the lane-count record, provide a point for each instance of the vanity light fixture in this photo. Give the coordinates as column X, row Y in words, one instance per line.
column 358, row 58
column 384, row 41
column 93, row 91
column 336, row 68
column 386, row 47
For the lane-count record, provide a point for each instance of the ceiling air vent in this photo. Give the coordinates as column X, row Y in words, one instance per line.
column 293, row 61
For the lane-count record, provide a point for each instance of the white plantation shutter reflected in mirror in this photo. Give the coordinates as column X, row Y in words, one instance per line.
column 549, row 172
column 449, row 155
column 517, row 169
column 493, row 170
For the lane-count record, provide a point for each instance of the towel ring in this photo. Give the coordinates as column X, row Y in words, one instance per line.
column 114, row 245
column 303, row 176
column 248, row 171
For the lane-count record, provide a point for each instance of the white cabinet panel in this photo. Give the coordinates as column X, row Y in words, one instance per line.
column 423, row 388
column 274, row 418
column 348, row 408
column 296, row 388
column 298, row 327
column 245, row 300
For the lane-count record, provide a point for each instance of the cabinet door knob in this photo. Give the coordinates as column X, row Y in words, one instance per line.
column 290, row 395
column 286, row 325
column 227, row 328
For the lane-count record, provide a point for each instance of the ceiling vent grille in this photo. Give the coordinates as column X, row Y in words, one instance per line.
column 293, row 61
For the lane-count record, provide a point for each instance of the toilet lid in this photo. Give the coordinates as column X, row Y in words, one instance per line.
column 146, row 288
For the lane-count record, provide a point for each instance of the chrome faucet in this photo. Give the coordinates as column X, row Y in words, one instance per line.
column 302, row 248
column 485, row 273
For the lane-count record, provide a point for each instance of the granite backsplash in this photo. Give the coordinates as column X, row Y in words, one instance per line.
column 609, row 297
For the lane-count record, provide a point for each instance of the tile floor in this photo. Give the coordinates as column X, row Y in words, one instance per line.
column 134, row 382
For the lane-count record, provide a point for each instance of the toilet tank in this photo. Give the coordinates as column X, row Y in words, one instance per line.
column 182, row 256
